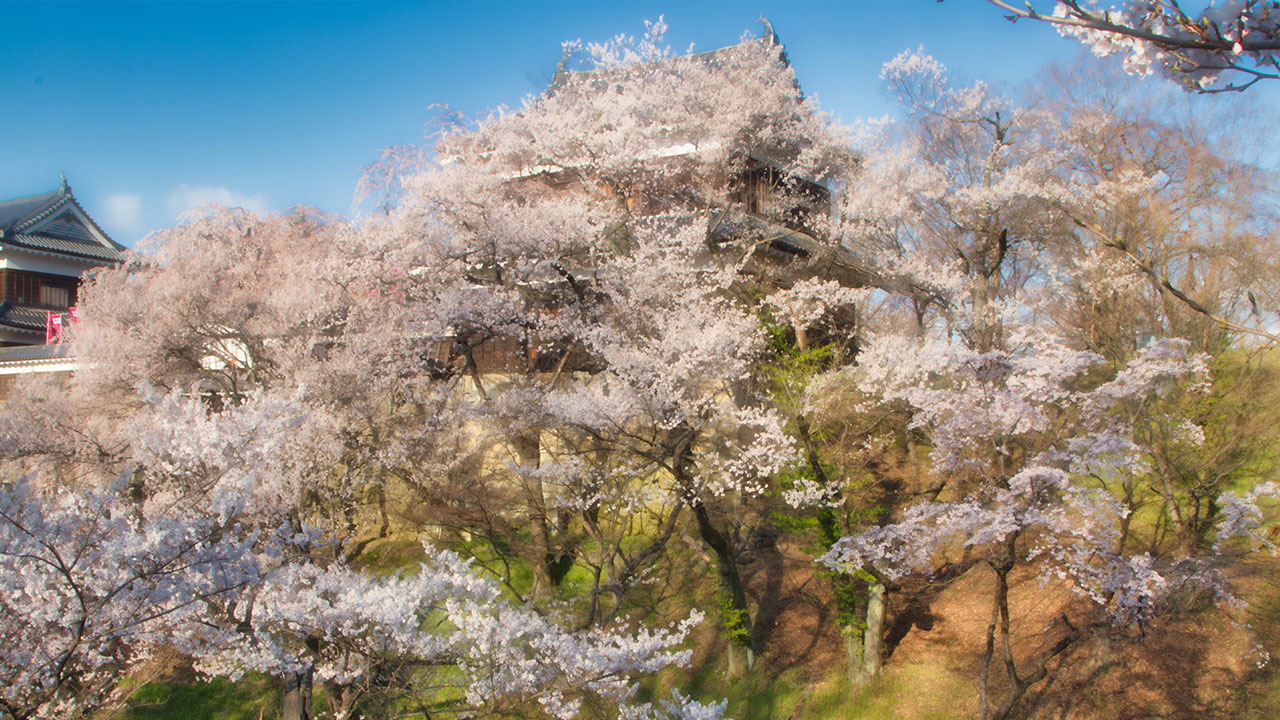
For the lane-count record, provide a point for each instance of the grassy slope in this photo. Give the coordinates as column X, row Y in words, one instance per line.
column 184, row 697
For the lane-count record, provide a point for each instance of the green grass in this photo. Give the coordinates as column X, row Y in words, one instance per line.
column 917, row 692
column 920, row 691
column 390, row 555
column 1259, row 697
column 756, row 695
column 760, row 697
column 252, row 698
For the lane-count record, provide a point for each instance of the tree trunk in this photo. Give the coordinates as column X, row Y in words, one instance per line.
column 853, row 649
column 984, row 669
column 733, row 595
column 380, row 496
column 1127, row 519
column 734, row 611
column 341, row 699
column 296, row 703
column 742, row 658
column 863, row 641
column 873, row 635
column 1016, row 686
column 529, row 449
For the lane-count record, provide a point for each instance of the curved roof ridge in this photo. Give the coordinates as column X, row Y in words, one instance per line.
column 20, row 216
column 97, row 228
column 18, row 213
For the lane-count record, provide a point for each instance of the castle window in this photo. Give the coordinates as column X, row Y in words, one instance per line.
column 56, row 296
column 766, row 191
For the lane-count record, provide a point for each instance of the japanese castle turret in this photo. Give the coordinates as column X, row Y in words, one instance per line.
column 47, row 242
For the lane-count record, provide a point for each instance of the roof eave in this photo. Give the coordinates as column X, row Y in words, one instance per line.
column 89, row 259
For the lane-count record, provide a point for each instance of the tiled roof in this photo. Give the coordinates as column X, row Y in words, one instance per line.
column 27, row 353
column 25, row 223
column 68, row 227
column 48, row 243
column 23, row 317
column 841, row 262
column 18, row 209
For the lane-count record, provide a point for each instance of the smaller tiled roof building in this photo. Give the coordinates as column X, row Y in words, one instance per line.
column 47, row 242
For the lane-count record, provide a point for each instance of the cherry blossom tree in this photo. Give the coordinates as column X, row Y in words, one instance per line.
column 1175, row 236
column 951, row 207
column 544, row 347
column 1173, row 209
column 91, row 586
column 297, row 307
column 594, row 230
column 973, row 206
column 94, row 584
column 574, row 277
column 239, row 412
column 1031, row 462
column 1226, row 47
column 956, row 197
column 440, row 641
column 106, row 570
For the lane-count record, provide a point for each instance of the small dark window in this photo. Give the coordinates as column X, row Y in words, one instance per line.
column 56, row 296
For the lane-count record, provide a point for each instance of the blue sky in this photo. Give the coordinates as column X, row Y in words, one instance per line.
column 151, row 107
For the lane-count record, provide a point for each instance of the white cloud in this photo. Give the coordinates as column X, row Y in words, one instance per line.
column 123, row 212
column 186, row 198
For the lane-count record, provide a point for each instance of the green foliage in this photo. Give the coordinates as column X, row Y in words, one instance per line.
column 791, row 371
column 1239, row 415
column 788, row 377
column 735, row 620
column 777, row 335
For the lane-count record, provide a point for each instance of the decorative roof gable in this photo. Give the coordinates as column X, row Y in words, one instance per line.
column 55, row 222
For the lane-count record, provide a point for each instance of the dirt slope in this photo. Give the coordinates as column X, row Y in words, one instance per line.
column 1203, row 664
